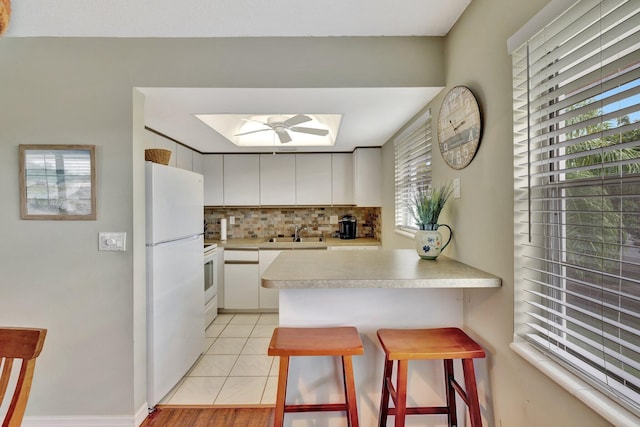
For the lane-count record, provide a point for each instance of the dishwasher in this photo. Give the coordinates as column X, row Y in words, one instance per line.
column 241, row 279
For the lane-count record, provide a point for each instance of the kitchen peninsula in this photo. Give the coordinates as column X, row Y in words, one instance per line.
column 370, row 290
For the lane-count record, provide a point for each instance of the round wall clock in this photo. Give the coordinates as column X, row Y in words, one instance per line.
column 459, row 127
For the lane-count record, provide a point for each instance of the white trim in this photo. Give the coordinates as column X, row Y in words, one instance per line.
column 141, row 414
column 600, row 403
column 540, row 20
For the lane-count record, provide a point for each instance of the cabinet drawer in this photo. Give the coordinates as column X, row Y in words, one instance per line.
column 245, row 256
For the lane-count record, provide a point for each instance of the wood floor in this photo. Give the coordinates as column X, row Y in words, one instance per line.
column 210, row 417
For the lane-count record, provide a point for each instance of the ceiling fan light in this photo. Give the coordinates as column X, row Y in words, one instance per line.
column 261, row 130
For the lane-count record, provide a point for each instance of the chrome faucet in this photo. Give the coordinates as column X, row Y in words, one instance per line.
column 296, row 233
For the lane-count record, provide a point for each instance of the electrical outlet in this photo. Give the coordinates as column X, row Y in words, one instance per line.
column 112, row 241
column 333, row 219
column 232, row 220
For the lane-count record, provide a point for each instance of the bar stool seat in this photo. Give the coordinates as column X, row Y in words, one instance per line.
column 333, row 341
column 402, row 345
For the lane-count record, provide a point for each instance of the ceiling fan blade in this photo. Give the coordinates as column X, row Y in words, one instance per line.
column 296, row 120
column 313, row 131
column 283, row 135
column 255, row 121
column 253, row 131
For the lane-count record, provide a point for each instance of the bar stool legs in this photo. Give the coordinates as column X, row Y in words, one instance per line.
column 472, row 392
column 447, row 344
column 343, row 342
column 283, row 374
column 349, row 391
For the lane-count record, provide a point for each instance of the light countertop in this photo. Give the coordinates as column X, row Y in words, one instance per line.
column 263, row 243
column 401, row 268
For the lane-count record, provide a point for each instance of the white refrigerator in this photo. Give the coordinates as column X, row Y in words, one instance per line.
column 175, row 276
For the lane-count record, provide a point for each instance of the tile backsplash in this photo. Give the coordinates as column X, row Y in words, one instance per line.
column 261, row 222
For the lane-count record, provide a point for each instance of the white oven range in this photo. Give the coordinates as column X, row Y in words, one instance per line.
column 210, row 283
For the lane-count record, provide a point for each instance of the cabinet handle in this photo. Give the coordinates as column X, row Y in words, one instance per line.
column 241, row 262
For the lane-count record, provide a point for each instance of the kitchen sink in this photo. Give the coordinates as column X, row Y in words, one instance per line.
column 311, row 239
column 301, row 240
column 280, row 239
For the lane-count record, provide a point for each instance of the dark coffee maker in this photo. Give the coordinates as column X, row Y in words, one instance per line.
column 348, row 227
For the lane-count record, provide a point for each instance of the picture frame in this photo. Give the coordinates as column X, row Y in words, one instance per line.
column 57, row 182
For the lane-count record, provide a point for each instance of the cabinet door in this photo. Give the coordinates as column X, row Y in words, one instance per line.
column 220, row 278
column 241, row 285
column 197, row 162
column 241, row 279
column 277, row 179
column 241, row 179
column 367, row 176
column 184, row 157
column 342, row 179
column 268, row 298
column 313, row 179
column 213, row 179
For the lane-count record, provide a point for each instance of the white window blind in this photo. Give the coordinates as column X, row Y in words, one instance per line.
column 577, row 177
column 412, row 169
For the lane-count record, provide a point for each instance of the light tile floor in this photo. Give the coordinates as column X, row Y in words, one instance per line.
column 235, row 368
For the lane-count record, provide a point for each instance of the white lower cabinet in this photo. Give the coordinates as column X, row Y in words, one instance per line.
column 241, row 279
column 267, row 298
column 220, row 278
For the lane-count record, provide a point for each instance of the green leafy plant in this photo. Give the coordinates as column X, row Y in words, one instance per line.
column 428, row 203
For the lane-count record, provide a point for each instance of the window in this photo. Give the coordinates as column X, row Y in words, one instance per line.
column 577, row 177
column 412, row 169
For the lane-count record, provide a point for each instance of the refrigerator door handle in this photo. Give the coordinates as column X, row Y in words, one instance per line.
column 164, row 242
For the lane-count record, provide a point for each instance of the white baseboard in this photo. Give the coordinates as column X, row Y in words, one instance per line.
column 141, row 414
column 89, row 421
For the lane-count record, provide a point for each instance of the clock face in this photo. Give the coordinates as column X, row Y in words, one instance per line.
column 459, row 127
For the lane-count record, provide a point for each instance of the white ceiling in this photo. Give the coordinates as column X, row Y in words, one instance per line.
column 233, row 18
column 369, row 115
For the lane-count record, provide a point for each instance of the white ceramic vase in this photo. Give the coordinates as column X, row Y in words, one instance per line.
column 428, row 240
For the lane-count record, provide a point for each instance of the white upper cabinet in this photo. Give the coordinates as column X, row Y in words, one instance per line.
column 342, row 179
column 367, row 165
column 212, row 169
column 197, row 162
column 293, row 179
column 241, row 179
column 313, row 179
column 184, row 157
column 277, row 179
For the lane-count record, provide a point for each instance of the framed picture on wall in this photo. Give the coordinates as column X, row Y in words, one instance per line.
column 57, row 182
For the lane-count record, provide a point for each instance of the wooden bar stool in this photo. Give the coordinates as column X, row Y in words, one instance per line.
column 402, row 345
column 337, row 341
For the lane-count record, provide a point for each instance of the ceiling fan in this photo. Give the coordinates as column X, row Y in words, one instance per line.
column 281, row 125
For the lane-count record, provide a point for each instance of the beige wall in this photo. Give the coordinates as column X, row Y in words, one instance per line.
column 482, row 219
column 81, row 91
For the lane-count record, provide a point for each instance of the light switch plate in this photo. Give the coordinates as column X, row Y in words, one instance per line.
column 112, row 241
column 456, row 188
